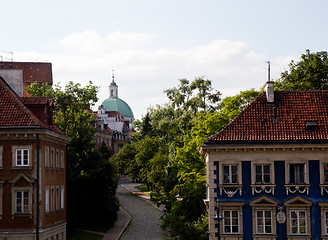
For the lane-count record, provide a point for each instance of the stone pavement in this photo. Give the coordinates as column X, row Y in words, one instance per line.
column 124, row 218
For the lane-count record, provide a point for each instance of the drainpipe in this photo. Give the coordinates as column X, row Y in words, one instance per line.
column 37, row 186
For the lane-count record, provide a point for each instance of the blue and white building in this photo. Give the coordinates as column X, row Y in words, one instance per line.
column 267, row 170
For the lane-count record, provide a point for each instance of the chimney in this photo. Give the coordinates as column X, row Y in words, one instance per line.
column 268, row 87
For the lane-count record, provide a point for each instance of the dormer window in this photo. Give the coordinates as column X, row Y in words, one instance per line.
column 311, row 125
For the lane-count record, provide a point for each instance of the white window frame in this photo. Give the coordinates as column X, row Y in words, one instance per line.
column 262, row 173
column 230, row 218
column 298, row 204
column 14, row 151
column 47, row 200
column 230, row 173
column 22, row 203
column 297, row 211
column 263, row 218
column 297, row 174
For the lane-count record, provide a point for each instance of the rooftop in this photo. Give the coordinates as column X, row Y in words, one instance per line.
column 294, row 117
column 15, row 114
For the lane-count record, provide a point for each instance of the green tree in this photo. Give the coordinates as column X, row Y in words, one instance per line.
column 91, row 177
column 230, row 107
column 310, row 73
column 125, row 161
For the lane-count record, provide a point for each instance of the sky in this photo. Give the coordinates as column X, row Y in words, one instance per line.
column 151, row 44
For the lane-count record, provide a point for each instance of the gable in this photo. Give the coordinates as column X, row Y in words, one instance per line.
column 263, row 201
column 298, row 202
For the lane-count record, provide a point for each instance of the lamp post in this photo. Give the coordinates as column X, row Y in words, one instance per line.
column 179, row 197
column 218, row 217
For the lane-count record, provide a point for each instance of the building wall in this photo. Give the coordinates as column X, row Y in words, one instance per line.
column 22, row 226
column 243, row 193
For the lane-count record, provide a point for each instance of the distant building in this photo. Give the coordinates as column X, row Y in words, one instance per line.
column 267, row 170
column 32, row 168
column 115, row 120
column 14, row 72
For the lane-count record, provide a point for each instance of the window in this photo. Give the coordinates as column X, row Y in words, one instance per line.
column 57, row 198
column 22, row 202
column 52, row 199
column 230, row 221
column 297, row 173
column 62, row 159
column 1, row 151
column 262, row 174
column 57, row 159
column 62, row 197
column 263, row 217
column 325, row 232
column 263, row 222
column 46, row 157
column 47, row 200
column 52, row 157
column 230, row 174
column 22, row 157
column 324, row 217
column 325, row 173
column 298, row 222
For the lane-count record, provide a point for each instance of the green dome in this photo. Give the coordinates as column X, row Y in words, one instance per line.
column 117, row 104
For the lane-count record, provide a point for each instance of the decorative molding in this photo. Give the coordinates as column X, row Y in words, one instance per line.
column 291, row 188
column 323, row 188
column 231, row 190
column 268, row 188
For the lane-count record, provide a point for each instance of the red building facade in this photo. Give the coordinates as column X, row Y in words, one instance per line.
column 32, row 169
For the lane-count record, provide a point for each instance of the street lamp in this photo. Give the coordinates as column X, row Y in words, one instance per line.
column 218, row 217
column 179, row 197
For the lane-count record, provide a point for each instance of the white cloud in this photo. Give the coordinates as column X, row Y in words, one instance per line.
column 143, row 72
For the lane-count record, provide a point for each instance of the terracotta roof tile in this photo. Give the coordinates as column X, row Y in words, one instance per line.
column 13, row 112
column 285, row 121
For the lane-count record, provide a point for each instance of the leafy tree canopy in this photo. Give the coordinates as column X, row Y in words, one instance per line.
column 310, row 73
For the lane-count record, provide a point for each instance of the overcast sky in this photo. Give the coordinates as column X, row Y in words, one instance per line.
column 151, row 43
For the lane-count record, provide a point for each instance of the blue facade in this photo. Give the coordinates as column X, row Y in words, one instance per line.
column 280, row 195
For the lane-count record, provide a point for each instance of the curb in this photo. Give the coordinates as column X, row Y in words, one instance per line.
column 126, row 224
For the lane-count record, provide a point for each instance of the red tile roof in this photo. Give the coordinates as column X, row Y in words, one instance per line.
column 13, row 112
column 283, row 122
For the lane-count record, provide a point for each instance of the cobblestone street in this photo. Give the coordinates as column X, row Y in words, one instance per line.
column 145, row 222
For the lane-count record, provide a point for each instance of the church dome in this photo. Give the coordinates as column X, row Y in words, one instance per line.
column 117, row 104
column 114, row 103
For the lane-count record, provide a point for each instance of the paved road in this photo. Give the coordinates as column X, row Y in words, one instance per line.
column 145, row 223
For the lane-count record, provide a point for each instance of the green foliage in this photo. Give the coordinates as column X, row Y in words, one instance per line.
column 165, row 152
column 310, row 73
column 232, row 106
column 125, row 161
column 91, row 179
column 180, row 229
